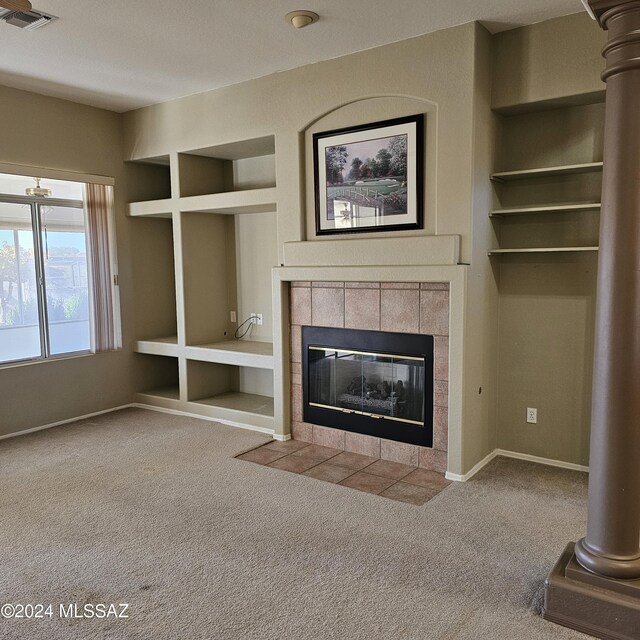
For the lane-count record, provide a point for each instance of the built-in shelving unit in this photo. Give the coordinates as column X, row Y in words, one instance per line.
column 212, row 239
column 560, row 225
column 544, row 254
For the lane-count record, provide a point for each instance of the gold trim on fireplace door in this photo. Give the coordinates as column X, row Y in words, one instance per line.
column 367, row 353
column 365, row 413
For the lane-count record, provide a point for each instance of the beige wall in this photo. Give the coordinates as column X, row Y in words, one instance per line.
column 545, row 351
column 554, row 60
column 455, row 77
column 56, row 134
column 433, row 72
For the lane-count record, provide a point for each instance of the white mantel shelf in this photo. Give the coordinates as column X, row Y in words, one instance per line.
column 356, row 252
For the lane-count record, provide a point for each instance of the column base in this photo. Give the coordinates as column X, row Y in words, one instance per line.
column 627, row 568
column 602, row 607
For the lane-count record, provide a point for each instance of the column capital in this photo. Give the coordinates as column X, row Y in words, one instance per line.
column 621, row 18
column 602, row 9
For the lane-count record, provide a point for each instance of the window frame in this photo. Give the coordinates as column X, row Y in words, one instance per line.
column 35, row 204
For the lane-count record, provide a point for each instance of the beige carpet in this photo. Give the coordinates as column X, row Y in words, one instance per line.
column 152, row 510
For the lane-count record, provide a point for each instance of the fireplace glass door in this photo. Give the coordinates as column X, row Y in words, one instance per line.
column 377, row 385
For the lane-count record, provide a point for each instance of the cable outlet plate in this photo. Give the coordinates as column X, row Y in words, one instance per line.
column 256, row 318
column 532, row 415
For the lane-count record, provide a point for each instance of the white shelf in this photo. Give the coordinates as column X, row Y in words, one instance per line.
column 238, row 408
column 542, row 172
column 159, row 346
column 241, row 353
column 246, row 408
column 248, row 201
column 164, row 393
column 551, row 208
column 231, row 202
column 151, row 209
column 494, row 252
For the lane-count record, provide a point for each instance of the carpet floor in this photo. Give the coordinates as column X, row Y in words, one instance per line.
column 153, row 510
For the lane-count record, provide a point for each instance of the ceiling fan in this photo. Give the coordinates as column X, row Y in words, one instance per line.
column 16, row 5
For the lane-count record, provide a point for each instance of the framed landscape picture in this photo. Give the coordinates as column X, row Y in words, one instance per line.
column 370, row 177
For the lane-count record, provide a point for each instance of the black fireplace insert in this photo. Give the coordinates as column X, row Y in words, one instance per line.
column 372, row 382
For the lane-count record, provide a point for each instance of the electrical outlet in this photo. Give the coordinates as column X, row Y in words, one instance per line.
column 233, row 316
column 532, row 415
column 258, row 320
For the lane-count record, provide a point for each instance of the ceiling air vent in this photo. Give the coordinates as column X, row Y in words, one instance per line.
column 28, row 19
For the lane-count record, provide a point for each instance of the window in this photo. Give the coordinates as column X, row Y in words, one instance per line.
column 48, row 279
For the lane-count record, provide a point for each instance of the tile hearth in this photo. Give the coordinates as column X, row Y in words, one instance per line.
column 394, row 480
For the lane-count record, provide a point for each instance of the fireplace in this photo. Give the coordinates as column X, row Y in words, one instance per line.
column 372, row 382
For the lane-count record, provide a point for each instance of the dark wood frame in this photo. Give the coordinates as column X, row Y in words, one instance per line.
column 418, row 120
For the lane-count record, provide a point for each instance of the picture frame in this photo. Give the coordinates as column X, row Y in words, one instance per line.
column 370, row 177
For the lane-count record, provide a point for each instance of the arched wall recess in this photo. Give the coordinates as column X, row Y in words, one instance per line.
column 363, row 111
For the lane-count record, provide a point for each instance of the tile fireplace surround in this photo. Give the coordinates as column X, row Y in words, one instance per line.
column 401, row 307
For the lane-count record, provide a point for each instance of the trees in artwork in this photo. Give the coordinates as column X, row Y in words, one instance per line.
column 390, row 161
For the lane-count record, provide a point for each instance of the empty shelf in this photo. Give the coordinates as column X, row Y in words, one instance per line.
column 244, row 402
column 542, row 172
column 494, row 252
column 244, row 408
column 249, row 201
column 549, row 208
column 241, row 353
column 159, row 346
column 151, row 208
column 165, row 393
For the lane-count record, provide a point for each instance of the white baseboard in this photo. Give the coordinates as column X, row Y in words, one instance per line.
column 547, row 461
column 456, row 477
column 517, row 456
column 61, row 422
column 269, row 432
column 229, row 423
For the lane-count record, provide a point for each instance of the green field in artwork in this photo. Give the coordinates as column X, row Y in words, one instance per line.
column 373, row 188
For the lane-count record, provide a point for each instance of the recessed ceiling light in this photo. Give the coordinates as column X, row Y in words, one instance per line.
column 301, row 19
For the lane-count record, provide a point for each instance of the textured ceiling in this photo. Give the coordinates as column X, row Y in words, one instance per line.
column 123, row 54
